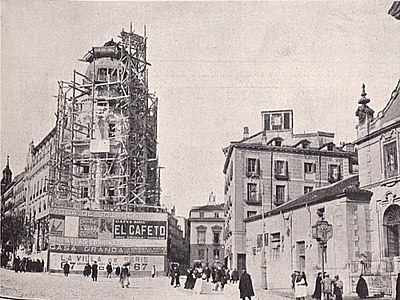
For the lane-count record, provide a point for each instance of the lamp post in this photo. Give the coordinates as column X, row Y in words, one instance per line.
column 322, row 231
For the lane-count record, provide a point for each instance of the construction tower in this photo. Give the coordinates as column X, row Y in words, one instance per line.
column 106, row 132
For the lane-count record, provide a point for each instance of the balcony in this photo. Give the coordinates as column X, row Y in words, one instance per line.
column 253, row 174
column 281, row 175
column 254, row 200
column 333, row 179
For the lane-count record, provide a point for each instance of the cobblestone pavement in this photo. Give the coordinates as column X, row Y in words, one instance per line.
column 59, row 287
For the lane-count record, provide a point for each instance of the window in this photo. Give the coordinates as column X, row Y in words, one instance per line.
column 201, row 237
column 334, row 173
column 111, row 130
column 281, row 169
column 278, row 142
column 301, row 256
column 253, row 167
column 251, row 213
column 85, row 169
column 275, row 245
column 201, row 254
column 201, row 214
column 390, row 159
column 308, row 189
column 216, row 254
column 280, row 194
column 252, row 192
column 309, row 168
column 109, row 191
column 330, row 146
column 216, row 238
column 216, row 215
column 391, row 222
column 84, row 191
column 277, row 120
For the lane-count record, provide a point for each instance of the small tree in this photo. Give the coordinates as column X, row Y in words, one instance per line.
column 13, row 231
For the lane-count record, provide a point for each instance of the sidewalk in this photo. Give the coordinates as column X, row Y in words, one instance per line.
column 289, row 294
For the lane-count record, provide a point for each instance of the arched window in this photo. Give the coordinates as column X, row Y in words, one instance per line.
column 391, row 223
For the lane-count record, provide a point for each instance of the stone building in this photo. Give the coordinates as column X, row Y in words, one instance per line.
column 378, row 144
column 177, row 246
column 37, row 173
column 289, row 244
column 205, row 224
column 272, row 167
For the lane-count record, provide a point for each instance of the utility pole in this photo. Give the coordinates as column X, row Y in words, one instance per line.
column 264, row 284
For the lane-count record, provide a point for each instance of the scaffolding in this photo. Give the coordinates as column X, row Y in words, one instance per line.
column 106, row 131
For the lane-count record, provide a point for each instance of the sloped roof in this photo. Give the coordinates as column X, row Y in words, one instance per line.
column 322, row 194
column 392, row 109
column 208, row 207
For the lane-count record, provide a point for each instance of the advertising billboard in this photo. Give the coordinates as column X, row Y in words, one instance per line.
column 138, row 229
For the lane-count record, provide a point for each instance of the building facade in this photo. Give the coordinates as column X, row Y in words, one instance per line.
column 39, row 167
column 178, row 248
column 378, row 144
column 289, row 242
column 206, row 234
column 272, row 167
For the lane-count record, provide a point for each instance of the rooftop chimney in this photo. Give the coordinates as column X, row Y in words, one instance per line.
column 245, row 132
column 264, row 138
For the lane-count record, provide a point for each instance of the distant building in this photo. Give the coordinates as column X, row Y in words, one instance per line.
column 265, row 170
column 177, row 247
column 7, row 177
column 38, row 171
column 206, row 224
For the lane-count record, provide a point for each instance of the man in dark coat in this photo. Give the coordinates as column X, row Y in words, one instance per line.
column 109, row 269
column 317, row 291
column 362, row 288
column 398, row 287
column 246, row 286
column 87, row 270
column 66, row 268
column 94, row 271
column 234, row 276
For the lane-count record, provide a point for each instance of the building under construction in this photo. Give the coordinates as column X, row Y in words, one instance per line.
column 106, row 132
column 103, row 182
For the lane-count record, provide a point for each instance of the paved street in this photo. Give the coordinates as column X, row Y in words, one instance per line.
column 56, row 286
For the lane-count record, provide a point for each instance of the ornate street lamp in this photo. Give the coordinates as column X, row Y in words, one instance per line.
column 322, row 231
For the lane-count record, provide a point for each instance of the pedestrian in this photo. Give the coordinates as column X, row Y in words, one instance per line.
column 94, row 271
column 362, row 288
column 176, row 276
column 124, row 277
column 207, row 271
column 246, row 286
column 66, row 268
column 317, row 291
column 294, row 277
column 17, row 262
column 217, row 278
column 228, row 275
column 118, row 270
column 300, row 288
column 87, row 270
column 398, row 287
column 338, row 288
column 189, row 279
column 327, row 287
column 109, row 269
column 235, row 276
column 172, row 274
column 198, row 285
column 153, row 271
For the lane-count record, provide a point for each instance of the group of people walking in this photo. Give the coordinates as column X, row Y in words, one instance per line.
column 219, row 277
column 327, row 287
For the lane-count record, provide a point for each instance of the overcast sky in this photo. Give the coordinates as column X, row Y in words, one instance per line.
column 215, row 67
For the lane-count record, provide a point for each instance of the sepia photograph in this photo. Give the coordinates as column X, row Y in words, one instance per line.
column 200, row 149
